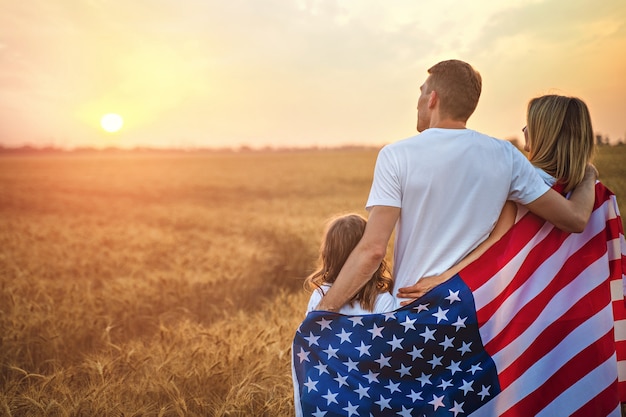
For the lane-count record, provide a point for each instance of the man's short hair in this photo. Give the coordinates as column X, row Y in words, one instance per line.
column 458, row 87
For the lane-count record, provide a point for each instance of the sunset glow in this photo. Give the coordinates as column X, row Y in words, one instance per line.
column 111, row 122
column 294, row 73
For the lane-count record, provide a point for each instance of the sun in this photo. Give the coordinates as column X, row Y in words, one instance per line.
column 111, row 122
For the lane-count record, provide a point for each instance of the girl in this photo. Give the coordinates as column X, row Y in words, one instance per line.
column 342, row 235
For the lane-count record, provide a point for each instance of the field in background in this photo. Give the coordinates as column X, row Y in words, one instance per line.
column 167, row 285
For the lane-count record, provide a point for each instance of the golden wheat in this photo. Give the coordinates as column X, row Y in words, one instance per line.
column 167, row 285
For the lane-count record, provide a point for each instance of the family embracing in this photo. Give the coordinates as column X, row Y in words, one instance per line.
column 506, row 295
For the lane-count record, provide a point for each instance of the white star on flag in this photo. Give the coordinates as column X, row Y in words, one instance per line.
column 441, row 314
column 376, row 331
column 454, row 296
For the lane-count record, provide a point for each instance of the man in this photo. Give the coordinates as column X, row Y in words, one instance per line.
column 443, row 190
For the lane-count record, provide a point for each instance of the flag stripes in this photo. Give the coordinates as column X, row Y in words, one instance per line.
column 535, row 327
column 547, row 311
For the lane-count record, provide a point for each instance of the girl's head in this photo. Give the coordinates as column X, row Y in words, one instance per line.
column 559, row 137
column 341, row 237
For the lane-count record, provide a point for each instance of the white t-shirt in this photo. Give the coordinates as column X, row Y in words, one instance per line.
column 451, row 185
column 384, row 302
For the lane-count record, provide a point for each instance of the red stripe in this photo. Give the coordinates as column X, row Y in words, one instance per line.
column 497, row 256
column 534, row 259
column 622, row 391
column 601, row 405
column 619, row 312
column 602, row 194
column 614, row 228
column 480, row 271
column 554, row 334
column 575, row 369
column 575, row 265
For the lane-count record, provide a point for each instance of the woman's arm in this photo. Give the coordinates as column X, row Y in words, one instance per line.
column 425, row 284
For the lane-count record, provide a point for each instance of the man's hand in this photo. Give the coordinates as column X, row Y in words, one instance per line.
column 420, row 288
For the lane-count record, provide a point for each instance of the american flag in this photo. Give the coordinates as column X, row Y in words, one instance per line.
column 535, row 327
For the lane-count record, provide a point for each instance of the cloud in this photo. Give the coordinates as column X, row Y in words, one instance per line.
column 554, row 22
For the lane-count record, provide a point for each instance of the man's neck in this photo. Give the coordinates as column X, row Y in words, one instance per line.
column 449, row 124
column 439, row 120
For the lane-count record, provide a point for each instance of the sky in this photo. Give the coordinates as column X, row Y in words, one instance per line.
column 292, row 73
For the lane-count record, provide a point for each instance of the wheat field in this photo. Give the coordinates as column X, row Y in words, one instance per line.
column 163, row 284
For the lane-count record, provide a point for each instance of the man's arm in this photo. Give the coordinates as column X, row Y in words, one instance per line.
column 568, row 215
column 364, row 259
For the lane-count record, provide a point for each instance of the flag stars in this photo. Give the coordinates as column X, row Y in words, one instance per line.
column 356, row 320
column 389, row 316
column 404, row 370
column 383, row 361
column 311, row 385
column 341, row 380
column 376, row 331
column 352, row 365
column 454, row 296
column 441, row 314
column 458, row 408
column 445, row 384
column 421, row 307
column 392, row 387
column 465, row 347
column 406, row 412
column 454, row 367
column 344, row 336
column 351, row 409
column 459, row 323
column 303, row 355
column 324, row 324
column 372, row 376
column 383, row 403
column 484, row 392
column 436, row 402
column 312, row 339
column 475, row 368
column 416, row 353
column 414, row 396
column 362, row 391
column 408, row 324
column 435, row 361
column 466, row 387
column 319, row 413
column 331, row 352
column 428, row 334
column 363, row 349
column 330, row 398
column 447, row 343
column 321, row 368
column 395, row 343
column 424, row 379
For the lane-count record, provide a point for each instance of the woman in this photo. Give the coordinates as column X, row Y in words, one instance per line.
column 560, row 144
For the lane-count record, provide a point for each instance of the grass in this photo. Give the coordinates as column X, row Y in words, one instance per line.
column 167, row 285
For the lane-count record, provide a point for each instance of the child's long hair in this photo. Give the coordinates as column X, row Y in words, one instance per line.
column 342, row 235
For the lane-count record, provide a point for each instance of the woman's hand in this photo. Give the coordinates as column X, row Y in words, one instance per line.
column 421, row 287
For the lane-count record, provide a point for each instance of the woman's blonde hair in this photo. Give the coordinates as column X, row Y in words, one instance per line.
column 560, row 137
column 341, row 236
